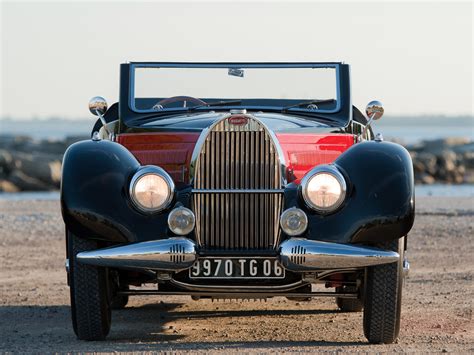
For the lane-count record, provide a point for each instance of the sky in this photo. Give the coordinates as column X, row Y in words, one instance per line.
column 415, row 57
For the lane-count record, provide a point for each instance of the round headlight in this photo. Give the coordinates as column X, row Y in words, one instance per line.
column 293, row 221
column 151, row 189
column 181, row 221
column 324, row 189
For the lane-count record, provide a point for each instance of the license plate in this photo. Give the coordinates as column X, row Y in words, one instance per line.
column 237, row 268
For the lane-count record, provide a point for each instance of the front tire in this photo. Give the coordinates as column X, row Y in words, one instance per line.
column 90, row 305
column 383, row 296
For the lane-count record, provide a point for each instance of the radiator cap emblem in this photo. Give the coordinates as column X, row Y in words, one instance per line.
column 238, row 120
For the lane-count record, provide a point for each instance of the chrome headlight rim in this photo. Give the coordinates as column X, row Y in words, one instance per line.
column 151, row 170
column 326, row 169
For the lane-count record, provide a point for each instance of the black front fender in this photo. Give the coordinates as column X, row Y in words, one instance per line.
column 95, row 201
column 380, row 197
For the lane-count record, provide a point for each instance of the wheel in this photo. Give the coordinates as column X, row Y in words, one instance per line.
column 349, row 304
column 90, row 307
column 383, row 296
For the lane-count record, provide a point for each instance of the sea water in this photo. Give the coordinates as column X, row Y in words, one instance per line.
column 407, row 130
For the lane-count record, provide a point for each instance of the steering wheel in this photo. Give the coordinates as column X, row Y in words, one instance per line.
column 169, row 100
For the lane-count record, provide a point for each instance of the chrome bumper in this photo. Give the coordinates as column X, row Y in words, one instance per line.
column 296, row 254
column 299, row 254
column 171, row 254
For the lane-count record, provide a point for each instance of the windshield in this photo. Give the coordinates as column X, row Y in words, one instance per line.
column 161, row 87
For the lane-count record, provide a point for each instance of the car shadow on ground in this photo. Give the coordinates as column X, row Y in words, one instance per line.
column 141, row 328
column 218, row 313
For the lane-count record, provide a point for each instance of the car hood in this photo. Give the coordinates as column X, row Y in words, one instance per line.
column 277, row 122
column 304, row 143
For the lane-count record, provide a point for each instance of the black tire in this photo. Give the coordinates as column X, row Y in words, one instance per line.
column 90, row 307
column 349, row 304
column 383, row 297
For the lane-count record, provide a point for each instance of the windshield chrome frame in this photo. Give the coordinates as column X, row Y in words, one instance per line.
column 134, row 65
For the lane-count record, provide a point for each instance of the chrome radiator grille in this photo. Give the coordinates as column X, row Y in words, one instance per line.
column 237, row 196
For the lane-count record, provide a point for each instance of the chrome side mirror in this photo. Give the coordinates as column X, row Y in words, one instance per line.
column 374, row 111
column 98, row 106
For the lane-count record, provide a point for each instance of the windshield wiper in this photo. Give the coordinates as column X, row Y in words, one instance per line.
column 307, row 103
column 218, row 103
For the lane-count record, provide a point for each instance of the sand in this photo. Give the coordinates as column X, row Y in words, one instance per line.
column 436, row 316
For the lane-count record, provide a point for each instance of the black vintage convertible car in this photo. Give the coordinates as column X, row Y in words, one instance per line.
column 236, row 180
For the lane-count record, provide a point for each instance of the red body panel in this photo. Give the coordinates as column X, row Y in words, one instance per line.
column 173, row 151
column 305, row 151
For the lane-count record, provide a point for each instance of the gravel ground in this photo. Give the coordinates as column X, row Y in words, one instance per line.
column 436, row 316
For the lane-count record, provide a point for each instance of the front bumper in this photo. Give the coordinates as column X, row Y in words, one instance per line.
column 172, row 254
column 299, row 254
column 296, row 254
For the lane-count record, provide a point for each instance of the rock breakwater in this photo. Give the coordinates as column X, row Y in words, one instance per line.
column 35, row 165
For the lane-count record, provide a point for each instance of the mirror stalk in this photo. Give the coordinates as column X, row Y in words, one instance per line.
column 363, row 135
column 104, row 123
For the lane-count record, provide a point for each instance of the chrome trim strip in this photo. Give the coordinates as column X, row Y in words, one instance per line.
column 173, row 254
column 240, row 288
column 197, row 150
column 281, row 155
column 238, row 191
column 238, row 65
column 300, row 254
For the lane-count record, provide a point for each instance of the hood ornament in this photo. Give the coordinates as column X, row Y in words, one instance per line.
column 238, row 120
